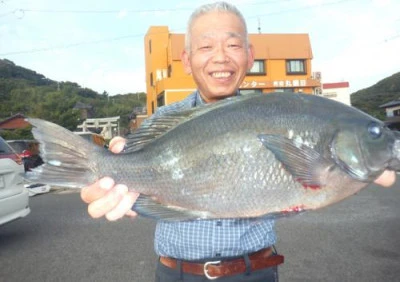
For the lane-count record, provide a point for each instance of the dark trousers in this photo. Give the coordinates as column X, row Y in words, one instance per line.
column 166, row 274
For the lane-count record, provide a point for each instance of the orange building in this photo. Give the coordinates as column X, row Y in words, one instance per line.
column 282, row 63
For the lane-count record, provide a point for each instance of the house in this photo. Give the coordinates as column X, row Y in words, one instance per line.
column 86, row 111
column 17, row 121
column 392, row 110
column 338, row 91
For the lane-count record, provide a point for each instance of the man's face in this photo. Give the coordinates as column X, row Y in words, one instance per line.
column 218, row 57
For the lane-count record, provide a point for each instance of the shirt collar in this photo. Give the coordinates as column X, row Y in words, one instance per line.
column 199, row 101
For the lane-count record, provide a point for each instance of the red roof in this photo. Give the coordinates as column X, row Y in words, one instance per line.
column 14, row 122
column 335, row 85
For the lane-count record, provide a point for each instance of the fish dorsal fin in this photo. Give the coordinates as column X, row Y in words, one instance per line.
column 156, row 126
column 153, row 128
column 146, row 206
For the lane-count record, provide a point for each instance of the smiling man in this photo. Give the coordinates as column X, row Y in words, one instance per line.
column 218, row 55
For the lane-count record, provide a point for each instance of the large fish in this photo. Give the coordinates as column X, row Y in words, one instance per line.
column 243, row 157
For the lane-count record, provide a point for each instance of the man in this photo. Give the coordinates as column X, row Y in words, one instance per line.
column 218, row 55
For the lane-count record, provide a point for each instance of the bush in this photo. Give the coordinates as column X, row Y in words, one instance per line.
column 17, row 134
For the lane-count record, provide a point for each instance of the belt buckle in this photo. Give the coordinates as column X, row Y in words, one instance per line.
column 206, row 271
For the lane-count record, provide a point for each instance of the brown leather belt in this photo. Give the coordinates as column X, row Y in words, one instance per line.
column 215, row 269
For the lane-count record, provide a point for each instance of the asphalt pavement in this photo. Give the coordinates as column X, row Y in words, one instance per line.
column 355, row 240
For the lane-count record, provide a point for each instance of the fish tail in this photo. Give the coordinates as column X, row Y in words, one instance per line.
column 68, row 159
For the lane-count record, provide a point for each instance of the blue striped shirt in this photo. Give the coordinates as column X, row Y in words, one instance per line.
column 210, row 239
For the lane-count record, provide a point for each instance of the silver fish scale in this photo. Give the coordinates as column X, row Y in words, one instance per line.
column 215, row 177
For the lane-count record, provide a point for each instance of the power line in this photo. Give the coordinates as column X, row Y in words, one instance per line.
column 394, row 37
column 105, row 11
column 6, row 14
column 70, row 45
column 36, row 50
column 300, row 8
column 21, row 12
column 55, row 11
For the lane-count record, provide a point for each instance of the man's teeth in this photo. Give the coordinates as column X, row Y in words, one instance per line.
column 221, row 74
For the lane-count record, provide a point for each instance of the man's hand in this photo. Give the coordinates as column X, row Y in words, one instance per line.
column 387, row 178
column 105, row 198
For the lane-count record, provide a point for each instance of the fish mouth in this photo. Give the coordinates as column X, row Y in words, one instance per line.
column 394, row 163
column 396, row 149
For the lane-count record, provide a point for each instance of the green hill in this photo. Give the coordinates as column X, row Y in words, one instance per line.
column 369, row 99
column 32, row 94
column 8, row 70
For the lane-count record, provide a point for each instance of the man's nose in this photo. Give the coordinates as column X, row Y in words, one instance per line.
column 220, row 55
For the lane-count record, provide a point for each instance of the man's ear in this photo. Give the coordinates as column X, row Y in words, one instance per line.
column 186, row 61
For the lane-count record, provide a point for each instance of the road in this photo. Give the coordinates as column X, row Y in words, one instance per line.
column 355, row 240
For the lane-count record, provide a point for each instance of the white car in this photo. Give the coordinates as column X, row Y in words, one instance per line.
column 14, row 197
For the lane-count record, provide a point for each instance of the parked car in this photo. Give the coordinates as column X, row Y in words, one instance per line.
column 14, row 197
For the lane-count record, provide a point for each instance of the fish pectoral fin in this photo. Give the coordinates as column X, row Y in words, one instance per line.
column 305, row 164
column 146, row 206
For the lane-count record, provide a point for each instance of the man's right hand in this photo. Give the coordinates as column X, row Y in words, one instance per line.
column 105, row 198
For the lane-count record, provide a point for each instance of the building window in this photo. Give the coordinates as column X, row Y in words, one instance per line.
column 160, row 100
column 284, row 90
column 151, row 79
column 249, row 91
column 258, row 68
column 150, row 46
column 295, row 67
column 396, row 113
column 317, row 91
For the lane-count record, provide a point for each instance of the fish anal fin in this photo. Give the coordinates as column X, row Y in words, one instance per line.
column 149, row 207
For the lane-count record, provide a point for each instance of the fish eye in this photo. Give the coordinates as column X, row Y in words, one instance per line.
column 375, row 130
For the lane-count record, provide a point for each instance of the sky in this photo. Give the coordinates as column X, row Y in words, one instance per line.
column 99, row 44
